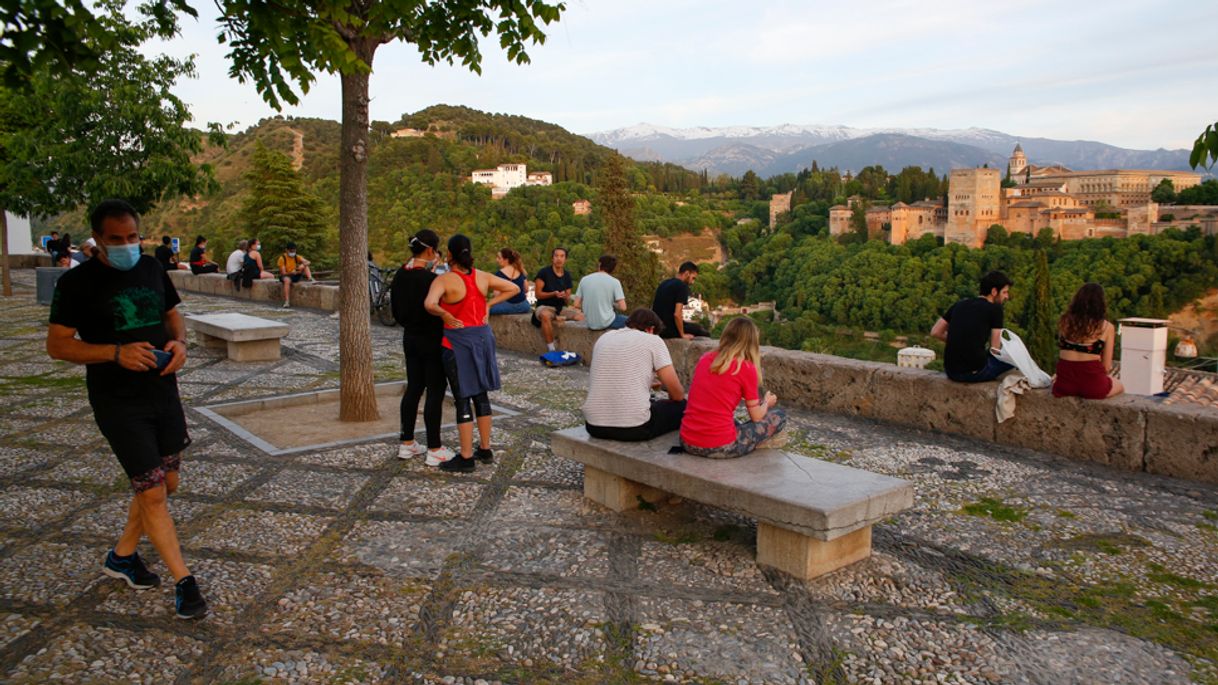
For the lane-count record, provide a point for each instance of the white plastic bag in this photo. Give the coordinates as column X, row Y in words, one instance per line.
column 1015, row 353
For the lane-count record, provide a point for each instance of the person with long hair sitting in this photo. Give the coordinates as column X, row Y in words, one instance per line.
column 1086, row 340
column 459, row 298
column 723, row 378
column 511, row 268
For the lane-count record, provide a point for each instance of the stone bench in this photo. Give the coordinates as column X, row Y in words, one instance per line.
column 813, row 516
column 247, row 338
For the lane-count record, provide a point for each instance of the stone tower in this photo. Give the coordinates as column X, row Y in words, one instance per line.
column 972, row 205
column 1017, row 164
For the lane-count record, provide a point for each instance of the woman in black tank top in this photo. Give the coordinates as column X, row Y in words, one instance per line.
column 1085, row 339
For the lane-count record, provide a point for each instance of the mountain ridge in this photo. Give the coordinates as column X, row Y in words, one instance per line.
column 788, row 148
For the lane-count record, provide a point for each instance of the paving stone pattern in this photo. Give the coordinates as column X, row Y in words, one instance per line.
column 351, row 566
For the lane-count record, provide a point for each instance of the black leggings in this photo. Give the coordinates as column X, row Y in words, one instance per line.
column 424, row 373
column 481, row 403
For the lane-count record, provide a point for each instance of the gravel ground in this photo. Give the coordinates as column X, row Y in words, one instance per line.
column 349, row 565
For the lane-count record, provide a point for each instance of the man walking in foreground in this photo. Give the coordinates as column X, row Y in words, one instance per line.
column 972, row 329
column 132, row 340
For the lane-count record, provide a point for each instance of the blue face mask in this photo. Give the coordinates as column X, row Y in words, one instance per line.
column 123, row 257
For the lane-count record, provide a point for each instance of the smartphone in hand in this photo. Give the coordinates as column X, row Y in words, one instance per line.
column 162, row 358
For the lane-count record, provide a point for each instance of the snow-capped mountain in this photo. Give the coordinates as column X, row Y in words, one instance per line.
column 772, row 150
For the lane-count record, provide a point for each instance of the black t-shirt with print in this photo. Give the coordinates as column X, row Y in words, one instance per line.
column 107, row 306
column 553, row 283
column 196, row 254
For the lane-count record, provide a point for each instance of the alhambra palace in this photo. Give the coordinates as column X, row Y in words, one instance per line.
column 1073, row 204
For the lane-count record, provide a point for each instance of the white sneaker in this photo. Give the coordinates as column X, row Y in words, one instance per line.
column 414, row 449
column 287, row 305
column 437, row 457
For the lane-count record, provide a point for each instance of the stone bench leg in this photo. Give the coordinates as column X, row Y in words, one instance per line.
column 805, row 557
column 617, row 493
column 254, row 350
column 210, row 341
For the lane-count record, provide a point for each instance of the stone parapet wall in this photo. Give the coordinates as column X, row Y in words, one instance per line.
column 1131, row 433
column 28, row 261
column 311, row 295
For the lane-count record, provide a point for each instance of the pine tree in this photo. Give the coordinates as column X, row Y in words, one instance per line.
column 278, row 208
column 637, row 267
column 1039, row 322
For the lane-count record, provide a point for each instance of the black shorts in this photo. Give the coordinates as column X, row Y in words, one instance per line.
column 146, row 430
column 295, row 277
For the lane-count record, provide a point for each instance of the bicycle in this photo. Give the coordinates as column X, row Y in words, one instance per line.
column 378, row 294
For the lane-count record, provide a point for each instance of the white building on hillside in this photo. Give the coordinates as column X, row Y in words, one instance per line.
column 504, row 177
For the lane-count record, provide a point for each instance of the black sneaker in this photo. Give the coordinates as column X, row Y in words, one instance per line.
column 459, row 464
column 130, row 569
column 188, row 601
column 486, row 456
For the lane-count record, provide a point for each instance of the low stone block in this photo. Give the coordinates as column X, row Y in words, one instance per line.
column 253, row 350
column 841, row 386
column 210, row 341
column 927, row 400
column 617, row 493
column 515, row 332
column 1110, row 432
column 306, row 295
column 1182, row 441
column 327, row 297
column 266, row 290
column 806, row 557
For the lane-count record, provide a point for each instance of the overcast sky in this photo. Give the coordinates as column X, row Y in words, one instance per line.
column 1134, row 74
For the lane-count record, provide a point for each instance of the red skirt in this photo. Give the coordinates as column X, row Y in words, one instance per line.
column 1082, row 379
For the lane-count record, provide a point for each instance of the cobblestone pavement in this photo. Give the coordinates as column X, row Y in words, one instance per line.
column 350, row 566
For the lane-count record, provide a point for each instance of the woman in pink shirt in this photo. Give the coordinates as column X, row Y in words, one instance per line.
column 721, row 380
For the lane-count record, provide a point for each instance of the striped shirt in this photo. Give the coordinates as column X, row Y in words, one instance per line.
column 624, row 362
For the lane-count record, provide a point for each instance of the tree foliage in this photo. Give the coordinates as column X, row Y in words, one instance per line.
column 279, row 209
column 637, row 267
column 1204, row 194
column 1040, row 322
column 75, row 136
column 280, row 47
column 1205, row 149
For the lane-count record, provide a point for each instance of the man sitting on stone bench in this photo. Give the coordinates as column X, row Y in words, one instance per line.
column 625, row 363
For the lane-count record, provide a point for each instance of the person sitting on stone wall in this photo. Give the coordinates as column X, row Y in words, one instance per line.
column 251, row 266
column 199, row 263
column 599, row 294
column 292, row 268
column 972, row 329
column 166, row 256
column 625, row 364
column 553, row 289
column 1086, row 339
column 235, row 262
column 669, row 303
column 722, row 379
column 512, row 268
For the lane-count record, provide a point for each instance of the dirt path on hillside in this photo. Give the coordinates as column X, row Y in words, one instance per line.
column 297, row 149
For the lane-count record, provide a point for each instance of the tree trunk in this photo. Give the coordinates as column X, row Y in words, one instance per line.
column 357, row 395
column 8, row 273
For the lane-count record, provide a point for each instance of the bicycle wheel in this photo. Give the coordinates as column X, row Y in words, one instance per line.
column 384, row 312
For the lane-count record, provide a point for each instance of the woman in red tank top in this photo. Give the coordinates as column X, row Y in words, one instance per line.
column 459, row 298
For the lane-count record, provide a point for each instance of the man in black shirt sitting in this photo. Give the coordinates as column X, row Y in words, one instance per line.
column 975, row 333
column 132, row 340
column 553, row 290
column 166, row 255
column 669, row 304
